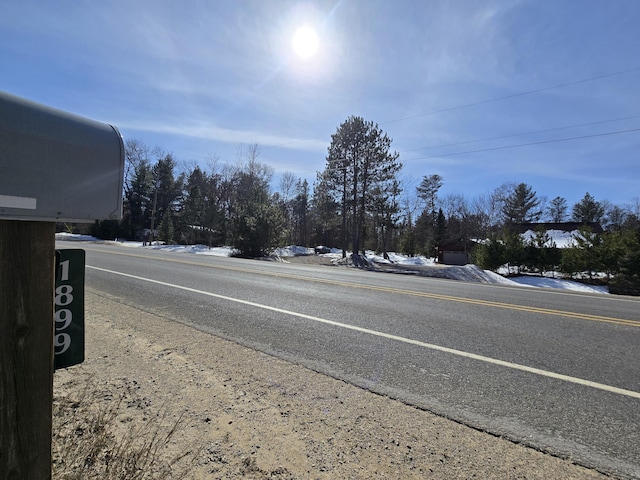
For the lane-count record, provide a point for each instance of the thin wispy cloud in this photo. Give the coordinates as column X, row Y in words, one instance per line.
column 201, row 77
column 235, row 137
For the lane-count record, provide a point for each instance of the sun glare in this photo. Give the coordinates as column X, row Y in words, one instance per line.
column 305, row 42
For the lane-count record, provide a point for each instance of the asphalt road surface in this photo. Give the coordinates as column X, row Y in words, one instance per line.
column 555, row 370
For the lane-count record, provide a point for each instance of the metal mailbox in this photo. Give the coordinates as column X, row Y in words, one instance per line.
column 56, row 166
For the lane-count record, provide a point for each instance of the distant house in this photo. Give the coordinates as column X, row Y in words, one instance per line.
column 562, row 234
column 457, row 253
column 562, row 227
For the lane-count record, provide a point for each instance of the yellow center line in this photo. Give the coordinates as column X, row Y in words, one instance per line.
column 486, row 303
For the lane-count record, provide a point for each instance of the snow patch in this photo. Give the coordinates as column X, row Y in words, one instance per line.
column 545, row 282
column 73, row 237
column 560, row 238
column 292, row 251
column 195, row 249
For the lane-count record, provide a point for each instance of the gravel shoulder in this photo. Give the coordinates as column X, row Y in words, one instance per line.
column 250, row 415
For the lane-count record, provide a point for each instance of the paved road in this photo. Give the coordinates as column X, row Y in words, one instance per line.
column 555, row 370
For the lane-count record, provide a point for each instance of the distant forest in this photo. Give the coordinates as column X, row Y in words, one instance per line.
column 361, row 201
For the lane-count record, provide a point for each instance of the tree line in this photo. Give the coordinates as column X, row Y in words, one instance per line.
column 360, row 201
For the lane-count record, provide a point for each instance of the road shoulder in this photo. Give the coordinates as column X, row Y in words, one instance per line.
column 248, row 414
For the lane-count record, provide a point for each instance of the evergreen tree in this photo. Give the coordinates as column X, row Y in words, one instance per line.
column 408, row 242
column 285, row 199
column 257, row 224
column 541, row 252
column 615, row 217
column 557, row 210
column 326, row 216
column 194, row 207
column 385, row 208
column 520, row 206
column 193, row 203
column 588, row 210
column 424, row 234
column 166, row 188
column 300, row 213
column 587, row 248
column 490, row 255
column 627, row 280
column 428, row 191
column 138, row 187
column 614, row 245
column 515, row 252
column 571, row 262
column 139, row 199
column 165, row 232
column 441, row 233
column 105, row 229
column 359, row 165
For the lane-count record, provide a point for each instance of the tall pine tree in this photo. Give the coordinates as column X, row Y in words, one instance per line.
column 588, row 210
column 521, row 205
column 360, row 166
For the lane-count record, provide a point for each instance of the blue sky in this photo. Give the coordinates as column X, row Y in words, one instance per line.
column 200, row 78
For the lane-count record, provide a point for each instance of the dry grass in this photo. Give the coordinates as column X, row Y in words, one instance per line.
column 97, row 435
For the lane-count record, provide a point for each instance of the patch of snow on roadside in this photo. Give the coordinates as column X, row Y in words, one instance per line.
column 74, row 237
column 195, row 249
column 129, row 244
column 473, row 273
column 491, row 277
column 400, row 259
column 292, row 251
column 556, row 283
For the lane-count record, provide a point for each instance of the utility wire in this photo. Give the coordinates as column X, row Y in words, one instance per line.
column 528, row 144
column 520, row 94
column 521, row 134
column 481, row 102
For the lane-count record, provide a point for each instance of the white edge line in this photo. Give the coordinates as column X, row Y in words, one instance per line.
column 460, row 353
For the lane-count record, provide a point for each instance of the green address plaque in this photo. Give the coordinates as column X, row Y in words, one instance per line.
column 69, row 308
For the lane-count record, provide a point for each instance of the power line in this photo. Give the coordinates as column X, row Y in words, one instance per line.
column 481, row 102
column 528, row 144
column 520, row 94
column 521, row 134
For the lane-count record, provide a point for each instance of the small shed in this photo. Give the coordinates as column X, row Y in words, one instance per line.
column 455, row 253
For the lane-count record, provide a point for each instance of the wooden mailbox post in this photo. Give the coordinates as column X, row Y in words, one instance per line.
column 54, row 167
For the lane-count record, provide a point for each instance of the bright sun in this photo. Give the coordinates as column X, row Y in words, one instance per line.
column 305, row 42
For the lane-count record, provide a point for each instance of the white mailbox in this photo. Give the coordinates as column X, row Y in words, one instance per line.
column 55, row 166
